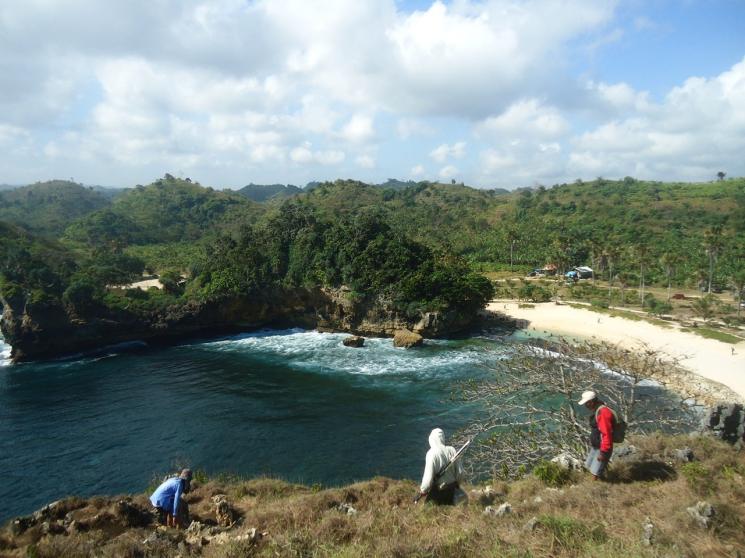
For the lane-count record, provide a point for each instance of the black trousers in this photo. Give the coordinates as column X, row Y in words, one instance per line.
column 444, row 496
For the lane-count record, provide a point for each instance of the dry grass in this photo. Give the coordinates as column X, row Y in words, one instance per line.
column 584, row 519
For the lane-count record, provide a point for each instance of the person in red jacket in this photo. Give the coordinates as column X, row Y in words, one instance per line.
column 601, row 434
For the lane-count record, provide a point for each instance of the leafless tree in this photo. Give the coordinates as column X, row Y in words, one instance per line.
column 529, row 407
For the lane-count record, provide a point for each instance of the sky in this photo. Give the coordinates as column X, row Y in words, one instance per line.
column 492, row 93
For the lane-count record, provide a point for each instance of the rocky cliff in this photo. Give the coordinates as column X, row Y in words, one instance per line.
column 40, row 330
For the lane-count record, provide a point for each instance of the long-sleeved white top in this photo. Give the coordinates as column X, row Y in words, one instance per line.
column 438, row 456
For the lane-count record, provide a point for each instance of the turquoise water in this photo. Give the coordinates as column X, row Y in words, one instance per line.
column 294, row 404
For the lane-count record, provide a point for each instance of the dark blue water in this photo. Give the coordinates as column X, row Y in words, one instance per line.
column 292, row 404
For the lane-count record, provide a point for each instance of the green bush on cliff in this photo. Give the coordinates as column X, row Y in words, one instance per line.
column 296, row 247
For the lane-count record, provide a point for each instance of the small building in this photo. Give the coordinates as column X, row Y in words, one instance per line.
column 550, row 269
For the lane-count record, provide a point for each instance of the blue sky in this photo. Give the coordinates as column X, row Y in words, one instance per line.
column 493, row 93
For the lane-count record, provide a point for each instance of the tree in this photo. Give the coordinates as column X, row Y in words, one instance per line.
column 529, row 405
column 738, row 282
column 721, row 175
column 513, row 236
column 641, row 250
column 669, row 261
column 713, row 243
column 705, row 306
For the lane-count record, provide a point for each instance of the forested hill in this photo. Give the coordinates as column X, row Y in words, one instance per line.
column 168, row 210
column 599, row 223
column 264, row 192
column 570, row 224
column 48, row 207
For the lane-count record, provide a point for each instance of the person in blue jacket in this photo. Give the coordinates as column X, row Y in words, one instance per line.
column 169, row 504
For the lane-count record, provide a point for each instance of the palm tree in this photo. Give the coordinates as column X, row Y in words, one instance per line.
column 737, row 278
column 611, row 254
column 713, row 244
column 641, row 251
column 669, row 262
column 513, row 236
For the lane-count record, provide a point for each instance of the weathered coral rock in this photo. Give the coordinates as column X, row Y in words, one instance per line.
column 407, row 339
column 354, row 341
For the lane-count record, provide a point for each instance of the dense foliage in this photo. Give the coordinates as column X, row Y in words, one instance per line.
column 48, row 207
column 296, row 246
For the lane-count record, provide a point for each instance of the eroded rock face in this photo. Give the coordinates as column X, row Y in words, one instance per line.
column 41, row 331
column 354, row 341
column 727, row 422
column 702, row 514
column 44, row 331
column 407, row 339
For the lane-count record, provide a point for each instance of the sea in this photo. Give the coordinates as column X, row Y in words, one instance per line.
column 292, row 404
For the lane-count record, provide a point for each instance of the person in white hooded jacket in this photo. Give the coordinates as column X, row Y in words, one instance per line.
column 440, row 490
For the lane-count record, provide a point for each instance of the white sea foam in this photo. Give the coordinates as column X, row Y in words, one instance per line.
column 311, row 350
column 4, row 353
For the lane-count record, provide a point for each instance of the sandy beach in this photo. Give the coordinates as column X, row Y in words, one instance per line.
column 707, row 358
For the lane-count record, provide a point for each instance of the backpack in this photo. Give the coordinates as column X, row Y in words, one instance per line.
column 619, row 425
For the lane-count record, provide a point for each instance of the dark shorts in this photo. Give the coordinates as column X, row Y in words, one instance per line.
column 444, row 496
column 183, row 514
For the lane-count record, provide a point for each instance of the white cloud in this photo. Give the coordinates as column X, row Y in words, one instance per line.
column 225, row 87
column 698, row 129
column 359, row 129
column 443, row 152
column 408, row 127
column 305, row 154
column 448, row 172
column 526, row 118
column 365, row 161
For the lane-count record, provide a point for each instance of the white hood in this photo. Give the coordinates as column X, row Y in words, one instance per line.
column 437, row 438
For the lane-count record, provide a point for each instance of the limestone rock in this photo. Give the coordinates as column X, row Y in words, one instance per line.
column 531, row 524
column 485, row 496
column 684, row 455
column 726, row 421
column 407, row 339
column 501, row 511
column 354, row 341
column 702, row 513
column 567, row 461
column 625, row 453
column 346, row 508
column 224, row 512
column 647, row 532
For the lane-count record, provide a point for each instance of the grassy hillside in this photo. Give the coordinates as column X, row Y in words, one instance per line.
column 48, row 207
column 557, row 516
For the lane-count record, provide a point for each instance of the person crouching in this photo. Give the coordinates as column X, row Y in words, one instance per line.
column 168, row 500
column 437, row 486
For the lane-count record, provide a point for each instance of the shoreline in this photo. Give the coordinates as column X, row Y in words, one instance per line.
column 708, row 367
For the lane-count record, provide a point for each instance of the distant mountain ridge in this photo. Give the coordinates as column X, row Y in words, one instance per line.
column 265, row 192
column 48, row 207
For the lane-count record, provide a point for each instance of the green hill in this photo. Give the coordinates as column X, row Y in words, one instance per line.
column 264, row 192
column 48, row 207
column 168, row 210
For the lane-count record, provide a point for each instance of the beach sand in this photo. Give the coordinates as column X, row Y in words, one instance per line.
column 708, row 358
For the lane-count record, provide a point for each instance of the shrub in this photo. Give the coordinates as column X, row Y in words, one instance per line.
column 599, row 303
column 552, row 474
column 698, row 477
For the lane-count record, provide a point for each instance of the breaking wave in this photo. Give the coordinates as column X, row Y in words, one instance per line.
column 325, row 353
column 4, row 353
